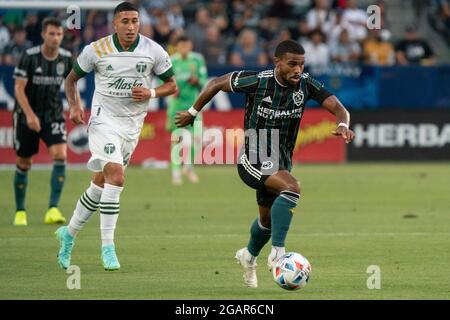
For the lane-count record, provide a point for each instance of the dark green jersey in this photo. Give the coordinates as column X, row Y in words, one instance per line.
column 271, row 105
column 44, row 82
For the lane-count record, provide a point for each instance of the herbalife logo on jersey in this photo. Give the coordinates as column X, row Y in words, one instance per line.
column 121, row 84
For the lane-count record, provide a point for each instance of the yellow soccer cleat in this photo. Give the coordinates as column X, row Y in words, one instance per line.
column 21, row 218
column 54, row 216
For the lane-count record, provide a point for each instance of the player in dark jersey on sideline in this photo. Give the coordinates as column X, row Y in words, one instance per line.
column 38, row 114
column 275, row 103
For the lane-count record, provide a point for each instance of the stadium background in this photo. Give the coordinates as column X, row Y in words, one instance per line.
column 396, row 211
column 360, row 66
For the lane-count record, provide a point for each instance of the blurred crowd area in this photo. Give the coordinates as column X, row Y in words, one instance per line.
column 246, row 32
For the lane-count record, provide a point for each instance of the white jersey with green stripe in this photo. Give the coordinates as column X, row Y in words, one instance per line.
column 116, row 72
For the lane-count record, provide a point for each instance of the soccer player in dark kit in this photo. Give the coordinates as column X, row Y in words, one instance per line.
column 38, row 114
column 275, row 101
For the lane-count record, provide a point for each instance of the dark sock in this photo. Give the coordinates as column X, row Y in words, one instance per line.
column 281, row 215
column 20, row 188
column 258, row 238
column 57, row 182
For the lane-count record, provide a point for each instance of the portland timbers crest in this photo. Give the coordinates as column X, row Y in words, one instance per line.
column 141, row 67
column 109, row 148
column 298, row 96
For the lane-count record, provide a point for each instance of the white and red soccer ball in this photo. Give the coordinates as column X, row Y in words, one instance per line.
column 292, row 271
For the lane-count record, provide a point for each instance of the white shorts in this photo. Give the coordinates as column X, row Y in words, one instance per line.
column 106, row 145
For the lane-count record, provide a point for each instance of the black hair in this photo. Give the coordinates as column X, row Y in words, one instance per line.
column 288, row 46
column 51, row 21
column 125, row 6
column 183, row 38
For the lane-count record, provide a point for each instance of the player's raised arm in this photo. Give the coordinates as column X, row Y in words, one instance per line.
column 221, row 83
column 333, row 105
column 73, row 98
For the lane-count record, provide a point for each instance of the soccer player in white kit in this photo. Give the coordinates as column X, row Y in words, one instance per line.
column 124, row 64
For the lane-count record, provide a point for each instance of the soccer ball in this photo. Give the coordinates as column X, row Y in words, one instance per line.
column 292, row 271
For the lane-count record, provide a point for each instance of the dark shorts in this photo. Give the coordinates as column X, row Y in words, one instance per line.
column 254, row 177
column 26, row 141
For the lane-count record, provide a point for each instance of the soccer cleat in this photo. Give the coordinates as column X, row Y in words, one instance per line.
column 271, row 262
column 243, row 258
column 190, row 174
column 109, row 258
column 192, row 177
column 21, row 218
column 54, row 216
column 66, row 244
column 273, row 258
column 176, row 178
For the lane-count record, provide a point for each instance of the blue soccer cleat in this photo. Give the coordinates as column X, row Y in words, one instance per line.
column 109, row 258
column 66, row 245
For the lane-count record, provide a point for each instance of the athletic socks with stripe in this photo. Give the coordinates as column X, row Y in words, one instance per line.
column 109, row 212
column 86, row 206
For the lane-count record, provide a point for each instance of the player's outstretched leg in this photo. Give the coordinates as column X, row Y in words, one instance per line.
column 259, row 236
column 53, row 214
column 86, row 206
column 109, row 213
column 66, row 242
column 281, row 211
column 248, row 263
column 20, row 189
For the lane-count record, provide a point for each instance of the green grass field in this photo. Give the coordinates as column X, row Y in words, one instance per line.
column 179, row 242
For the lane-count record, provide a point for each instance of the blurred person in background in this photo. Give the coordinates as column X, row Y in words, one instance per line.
column 377, row 50
column 99, row 22
column 269, row 28
column 317, row 52
column 162, row 30
column 14, row 49
column 215, row 49
column 175, row 17
column 301, row 31
column 191, row 76
column 320, row 15
column 345, row 49
column 247, row 51
column 196, row 31
column 283, row 35
column 246, row 14
column 357, row 19
column 414, row 50
column 32, row 28
column 4, row 37
column 218, row 13
column 439, row 18
column 171, row 46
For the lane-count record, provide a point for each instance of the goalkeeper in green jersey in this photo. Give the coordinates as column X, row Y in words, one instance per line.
column 191, row 75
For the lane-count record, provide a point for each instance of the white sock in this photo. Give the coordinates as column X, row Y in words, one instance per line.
column 249, row 257
column 86, row 206
column 109, row 212
column 277, row 252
